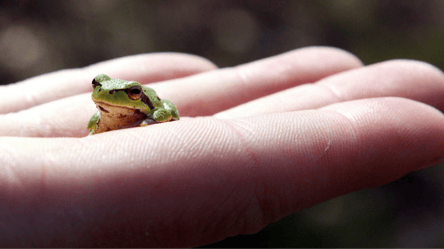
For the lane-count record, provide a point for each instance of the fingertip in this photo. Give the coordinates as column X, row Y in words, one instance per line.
column 200, row 62
column 415, row 64
column 421, row 80
column 152, row 67
column 348, row 59
column 419, row 68
column 203, row 62
column 408, row 134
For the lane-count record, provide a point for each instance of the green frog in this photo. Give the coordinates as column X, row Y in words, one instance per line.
column 124, row 104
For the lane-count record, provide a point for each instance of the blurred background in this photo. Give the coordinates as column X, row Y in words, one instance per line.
column 38, row 37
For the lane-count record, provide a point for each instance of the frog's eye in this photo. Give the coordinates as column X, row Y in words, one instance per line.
column 134, row 92
column 95, row 84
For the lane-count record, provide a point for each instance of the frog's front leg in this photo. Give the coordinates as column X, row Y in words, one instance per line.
column 172, row 110
column 159, row 115
column 162, row 115
column 92, row 124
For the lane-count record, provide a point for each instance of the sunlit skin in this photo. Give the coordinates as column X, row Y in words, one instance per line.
column 255, row 143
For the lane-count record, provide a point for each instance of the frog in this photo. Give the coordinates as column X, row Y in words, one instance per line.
column 125, row 104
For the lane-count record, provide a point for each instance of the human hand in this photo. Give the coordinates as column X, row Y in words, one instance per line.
column 283, row 147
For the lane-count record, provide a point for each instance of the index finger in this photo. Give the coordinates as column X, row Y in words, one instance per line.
column 145, row 68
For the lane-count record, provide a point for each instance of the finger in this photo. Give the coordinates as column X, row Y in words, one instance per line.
column 401, row 78
column 145, row 68
column 201, row 94
column 212, row 92
column 185, row 184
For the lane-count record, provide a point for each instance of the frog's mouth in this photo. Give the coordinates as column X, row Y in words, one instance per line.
column 107, row 108
column 102, row 109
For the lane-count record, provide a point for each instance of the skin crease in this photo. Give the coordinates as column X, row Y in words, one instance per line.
column 199, row 180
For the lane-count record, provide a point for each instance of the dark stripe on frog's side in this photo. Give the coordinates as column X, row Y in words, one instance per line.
column 147, row 101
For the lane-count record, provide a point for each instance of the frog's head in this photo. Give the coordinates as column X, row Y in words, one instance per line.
column 115, row 95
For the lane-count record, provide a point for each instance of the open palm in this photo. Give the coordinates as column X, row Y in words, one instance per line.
column 255, row 142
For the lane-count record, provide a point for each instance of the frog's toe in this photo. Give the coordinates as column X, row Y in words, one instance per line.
column 148, row 121
column 162, row 115
column 175, row 115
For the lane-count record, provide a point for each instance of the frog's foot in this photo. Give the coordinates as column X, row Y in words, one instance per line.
column 148, row 121
column 162, row 115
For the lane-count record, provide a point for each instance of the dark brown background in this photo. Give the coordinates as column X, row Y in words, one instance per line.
column 37, row 37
